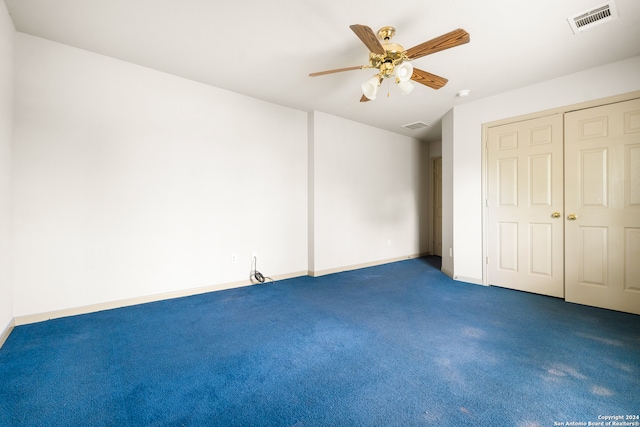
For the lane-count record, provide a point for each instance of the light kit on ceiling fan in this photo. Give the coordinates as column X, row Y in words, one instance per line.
column 392, row 60
column 370, row 87
column 406, row 87
column 403, row 73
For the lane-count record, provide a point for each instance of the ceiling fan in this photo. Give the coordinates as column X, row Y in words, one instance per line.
column 392, row 60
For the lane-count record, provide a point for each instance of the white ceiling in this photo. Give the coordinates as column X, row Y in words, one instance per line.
column 266, row 49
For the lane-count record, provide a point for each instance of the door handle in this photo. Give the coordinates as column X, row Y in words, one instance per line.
column 572, row 217
column 556, row 215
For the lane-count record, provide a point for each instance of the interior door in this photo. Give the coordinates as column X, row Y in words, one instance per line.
column 525, row 200
column 602, row 151
column 437, row 206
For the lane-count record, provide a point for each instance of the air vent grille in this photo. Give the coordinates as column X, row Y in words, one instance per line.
column 416, row 125
column 600, row 15
column 596, row 15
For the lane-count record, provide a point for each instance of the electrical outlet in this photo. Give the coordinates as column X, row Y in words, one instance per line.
column 234, row 258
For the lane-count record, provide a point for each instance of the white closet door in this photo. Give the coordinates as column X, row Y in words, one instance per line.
column 525, row 200
column 602, row 206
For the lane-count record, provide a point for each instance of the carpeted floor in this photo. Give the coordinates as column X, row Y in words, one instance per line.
column 394, row 345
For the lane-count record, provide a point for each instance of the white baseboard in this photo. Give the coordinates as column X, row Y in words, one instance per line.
column 6, row 332
column 363, row 265
column 109, row 305
column 471, row 280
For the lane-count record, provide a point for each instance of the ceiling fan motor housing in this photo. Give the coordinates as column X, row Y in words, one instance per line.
column 394, row 55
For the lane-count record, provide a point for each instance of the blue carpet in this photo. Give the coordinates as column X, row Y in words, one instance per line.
column 394, row 345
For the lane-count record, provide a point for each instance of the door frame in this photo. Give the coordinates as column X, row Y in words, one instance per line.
column 485, row 171
column 433, row 204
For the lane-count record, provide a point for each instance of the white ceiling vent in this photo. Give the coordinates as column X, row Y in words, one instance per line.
column 416, row 125
column 590, row 18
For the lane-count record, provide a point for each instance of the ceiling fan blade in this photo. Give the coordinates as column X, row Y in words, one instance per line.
column 369, row 38
column 445, row 41
column 337, row 70
column 428, row 79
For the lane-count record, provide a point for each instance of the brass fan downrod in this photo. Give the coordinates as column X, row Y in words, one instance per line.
column 385, row 33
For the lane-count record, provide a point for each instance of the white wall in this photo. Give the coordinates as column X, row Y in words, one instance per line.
column 130, row 182
column 435, row 149
column 447, row 193
column 368, row 189
column 7, row 33
column 464, row 135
